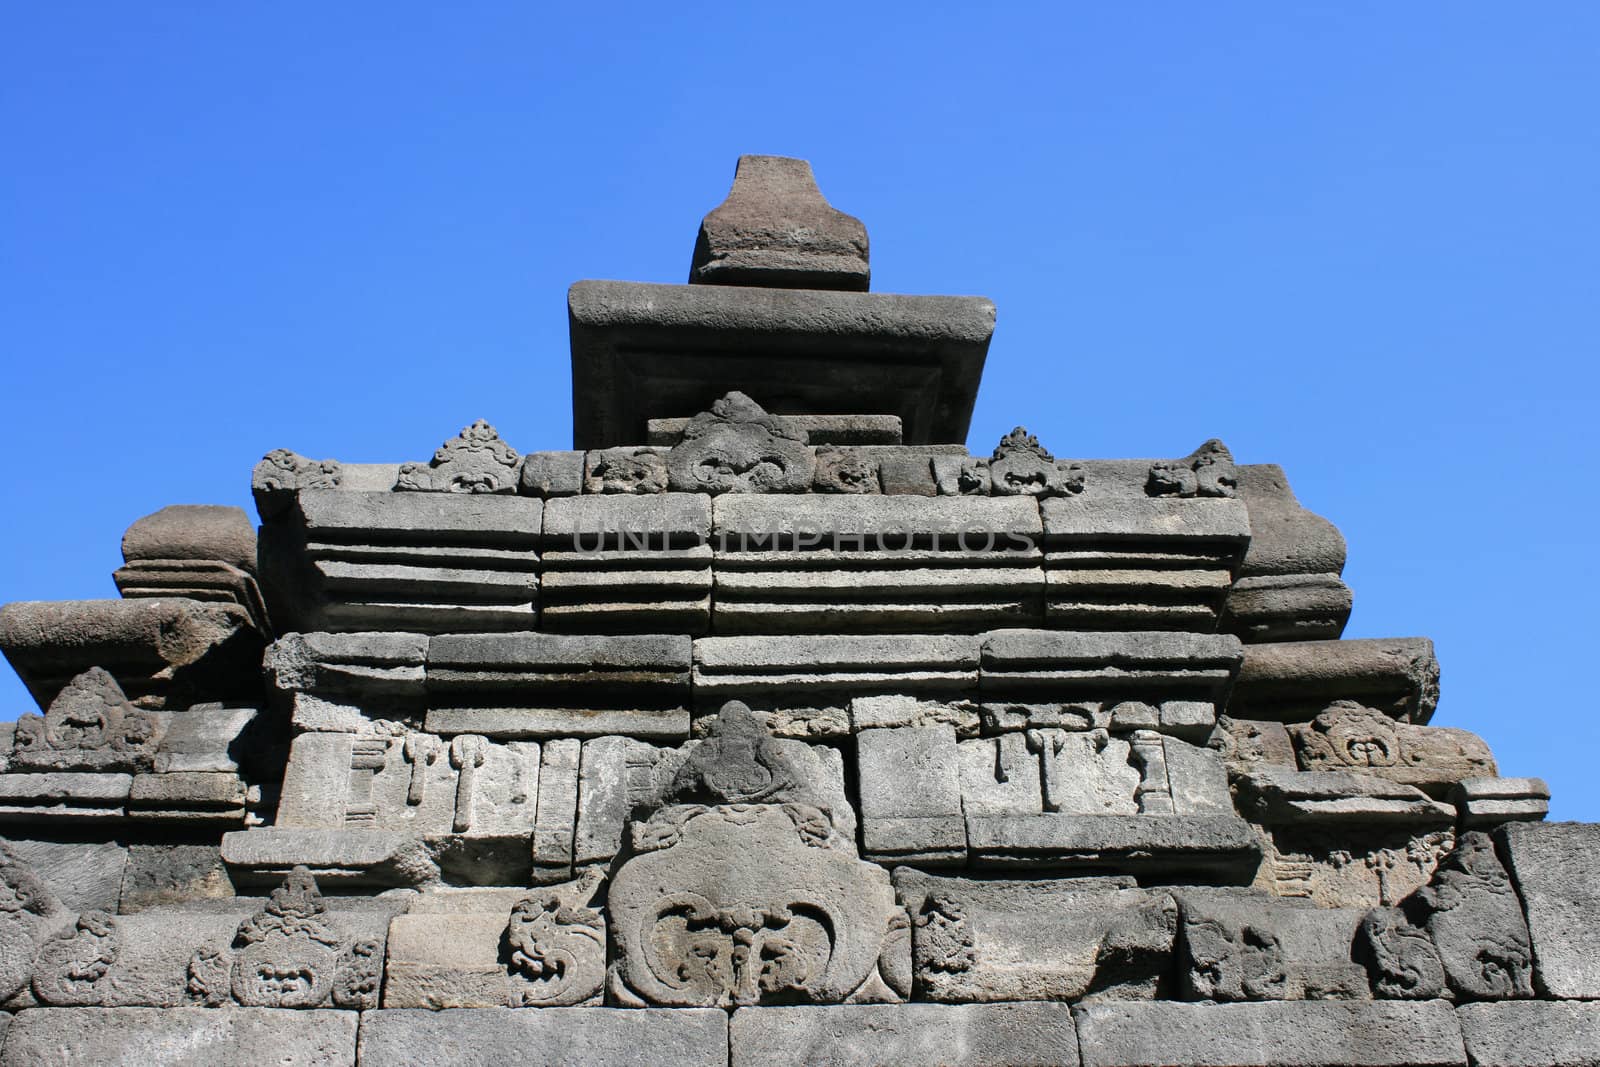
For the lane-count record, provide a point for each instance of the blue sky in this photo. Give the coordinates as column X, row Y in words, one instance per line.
column 1358, row 240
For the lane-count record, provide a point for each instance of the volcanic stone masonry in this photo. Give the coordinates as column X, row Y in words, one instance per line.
column 766, row 726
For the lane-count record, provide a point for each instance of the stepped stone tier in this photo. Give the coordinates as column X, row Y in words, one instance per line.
column 767, row 725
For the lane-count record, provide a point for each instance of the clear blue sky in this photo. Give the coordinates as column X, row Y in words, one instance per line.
column 1358, row 240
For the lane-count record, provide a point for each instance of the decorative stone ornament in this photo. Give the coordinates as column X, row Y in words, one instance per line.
column 1207, row 471
column 736, row 447
column 281, row 474
column 90, row 726
column 474, row 461
column 1021, row 466
column 556, row 946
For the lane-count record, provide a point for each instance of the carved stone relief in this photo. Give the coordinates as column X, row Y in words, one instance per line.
column 474, row 461
column 845, row 470
column 282, row 473
column 1207, row 471
column 1021, row 466
column 89, row 726
column 736, row 447
column 1348, row 736
column 556, row 946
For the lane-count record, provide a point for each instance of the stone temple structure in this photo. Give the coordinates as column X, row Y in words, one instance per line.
column 767, row 725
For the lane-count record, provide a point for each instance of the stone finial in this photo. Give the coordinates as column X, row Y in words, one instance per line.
column 775, row 229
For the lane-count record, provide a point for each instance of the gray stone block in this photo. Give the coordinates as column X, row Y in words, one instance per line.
column 909, row 783
column 169, row 874
column 1287, row 607
column 1289, row 587
column 1052, row 940
column 658, row 521
column 193, row 531
column 1531, row 1033
column 867, row 1035
column 1293, row 681
column 1279, row 796
column 64, row 797
column 1486, row 802
column 203, row 739
column 181, row 1037
column 1149, row 666
column 163, row 651
column 1219, row 846
column 1556, row 867
column 1243, row 944
column 1273, row 1034
column 651, row 351
column 341, row 858
column 550, row 1037
column 552, row 474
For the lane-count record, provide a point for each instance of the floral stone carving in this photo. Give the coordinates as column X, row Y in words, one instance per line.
column 1349, row 736
column 71, row 965
column 282, row 473
column 89, row 726
column 1021, row 466
column 748, row 905
column 1207, row 471
column 288, row 955
column 624, row 470
column 474, row 461
column 556, row 946
column 736, row 447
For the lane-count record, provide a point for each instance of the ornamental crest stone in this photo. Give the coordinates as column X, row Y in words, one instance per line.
column 285, row 955
column 744, row 908
column 282, row 473
column 89, row 726
column 72, row 964
column 1021, row 466
column 474, row 461
column 736, row 447
column 1207, row 471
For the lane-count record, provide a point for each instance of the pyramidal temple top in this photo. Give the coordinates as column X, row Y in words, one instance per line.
column 777, row 308
column 777, row 229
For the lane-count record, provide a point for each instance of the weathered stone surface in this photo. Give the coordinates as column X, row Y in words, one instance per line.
column 162, row 651
column 627, row 564
column 1288, row 587
column 188, row 797
column 1274, row 1034
column 818, row 429
column 908, row 780
column 198, row 551
column 1531, row 1033
column 170, row 873
column 430, row 562
column 651, row 351
column 83, row 876
column 492, row 948
column 281, row 474
column 624, row 470
column 1487, row 802
column 556, row 819
column 1361, row 863
column 554, row 685
column 556, row 1037
column 89, row 726
column 1240, row 944
column 742, row 890
column 736, row 447
column 1143, row 666
column 551, row 474
column 1277, row 795
column 64, row 797
column 1293, row 681
column 362, row 666
column 967, row 1035
column 812, row 679
column 263, row 856
column 775, row 229
column 1212, row 845
column 1557, row 871
column 1036, row 940
column 182, row 1037
column 1348, row 736
column 1474, row 918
